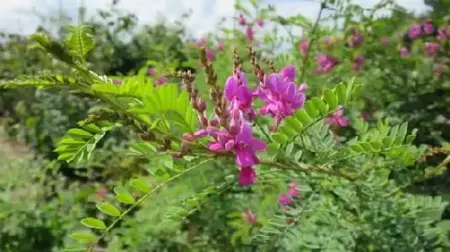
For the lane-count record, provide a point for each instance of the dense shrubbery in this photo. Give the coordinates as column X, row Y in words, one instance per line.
column 339, row 143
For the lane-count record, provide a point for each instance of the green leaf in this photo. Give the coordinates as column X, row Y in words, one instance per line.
column 80, row 133
column 125, row 198
column 320, row 105
column 294, row 124
column 140, row 185
column 311, row 110
column 108, row 209
column 83, row 237
column 93, row 223
column 303, row 117
column 341, row 92
column 331, row 98
column 80, row 40
column 279, row 138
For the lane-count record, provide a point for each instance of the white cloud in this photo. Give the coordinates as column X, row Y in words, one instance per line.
column 204, row 18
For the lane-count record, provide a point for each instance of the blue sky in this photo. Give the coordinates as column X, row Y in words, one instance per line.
column 17, row 15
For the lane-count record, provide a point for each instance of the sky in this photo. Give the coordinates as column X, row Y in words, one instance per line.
column 20, row 15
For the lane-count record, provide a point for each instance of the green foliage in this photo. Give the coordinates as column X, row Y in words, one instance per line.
column 366, row 187
column 80, row 41
column 79, row 143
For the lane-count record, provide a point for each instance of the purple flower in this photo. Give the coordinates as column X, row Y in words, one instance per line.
column 287, row 198
column 280, row 95
column 247, row 176
column 358, row 61
column 260, row 22
column 150, row 71
column 293, row 191
column 239, row 95
column 325, row 63
column 385, row 41
column 241, row 20
column 415, row 31
column 337, row 118
column 210, row 54
column 443, row 33
column 288, row 72
column 304, row 46
column 249, row 33
column 431, row 48
column 249, row 216
column 201, row 42
column 404, row 52
column 161, row 80
column 356, row 39
column 246, row 145
column 428, row 28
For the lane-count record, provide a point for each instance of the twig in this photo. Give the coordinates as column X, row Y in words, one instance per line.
column 119, row 218
column 311, row 40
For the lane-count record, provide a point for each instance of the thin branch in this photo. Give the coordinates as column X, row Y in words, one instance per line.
column 120, row 217
column 312, row 39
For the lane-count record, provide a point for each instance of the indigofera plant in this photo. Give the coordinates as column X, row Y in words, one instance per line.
column 340, row 190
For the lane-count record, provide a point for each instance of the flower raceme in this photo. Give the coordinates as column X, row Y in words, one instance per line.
column 232, row 134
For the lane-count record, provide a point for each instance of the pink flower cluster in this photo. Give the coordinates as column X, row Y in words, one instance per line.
column 356, row 39
column 338, row 118
column 443, row 33
column 325, row 63
column 281, row 98
column 280, row 94
column 404, row 52
column 431, row 48
column 416, row 31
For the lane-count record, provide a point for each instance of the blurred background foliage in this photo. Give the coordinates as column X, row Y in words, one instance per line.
column 42, row 199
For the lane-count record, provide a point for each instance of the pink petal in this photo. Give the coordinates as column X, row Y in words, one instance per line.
column 332, row 121
column 215, row 147
column 231, row 88
column 343, row 122
column 245, row 157
column 289, row 72
column 200, row 133
column 247, row 176
column 258, row 145
column 285, row 200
